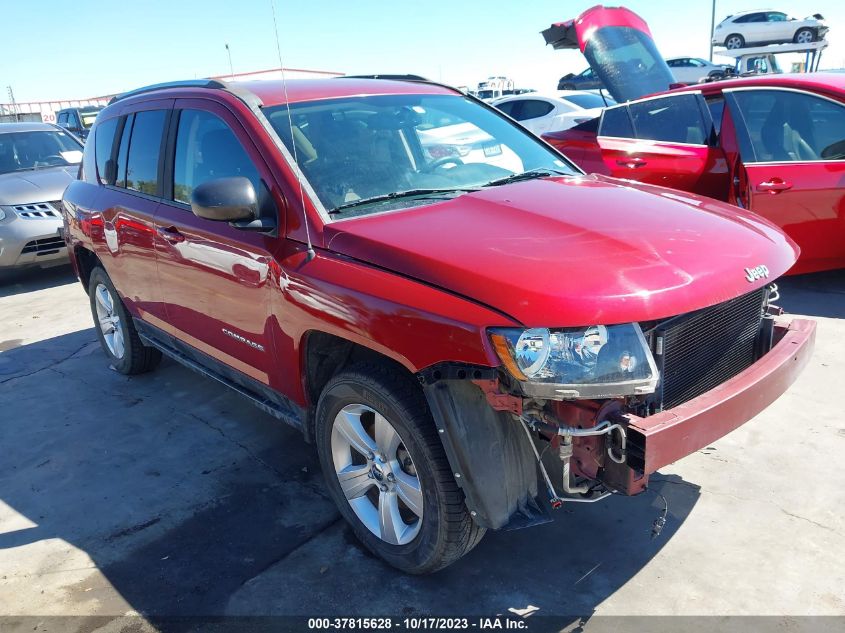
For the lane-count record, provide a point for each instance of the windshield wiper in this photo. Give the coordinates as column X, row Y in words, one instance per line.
column 397, row 194
column 541, row 172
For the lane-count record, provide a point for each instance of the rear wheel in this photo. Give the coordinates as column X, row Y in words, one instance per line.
column 387, row 472
column 115, row 330
column 804, row 36
column 734, row 41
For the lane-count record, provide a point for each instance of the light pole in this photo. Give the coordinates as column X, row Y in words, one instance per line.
column 232, row 71
column 712, row 27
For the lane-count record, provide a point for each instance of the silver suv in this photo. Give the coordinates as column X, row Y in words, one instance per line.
column 37, row 162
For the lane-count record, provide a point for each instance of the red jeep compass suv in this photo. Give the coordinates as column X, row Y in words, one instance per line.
column 469, row 328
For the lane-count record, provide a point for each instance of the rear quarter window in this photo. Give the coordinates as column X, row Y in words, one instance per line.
column 104, row 141
column 616, row 123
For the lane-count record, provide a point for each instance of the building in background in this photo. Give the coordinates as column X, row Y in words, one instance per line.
column 46, row 110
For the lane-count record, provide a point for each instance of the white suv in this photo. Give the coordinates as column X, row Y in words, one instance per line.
column 767, row 27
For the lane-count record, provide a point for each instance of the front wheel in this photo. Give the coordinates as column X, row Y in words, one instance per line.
column 804, row 36
column 387, row 472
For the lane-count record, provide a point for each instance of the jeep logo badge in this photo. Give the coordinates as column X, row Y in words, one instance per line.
column 753, row 274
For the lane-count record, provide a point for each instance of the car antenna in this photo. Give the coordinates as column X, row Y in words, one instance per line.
column 603, row 98
column 309, row 254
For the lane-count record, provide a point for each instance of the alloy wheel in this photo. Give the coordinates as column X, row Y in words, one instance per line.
column 804, row 37
column 376, row 474
column 733, row 43
column 109, row 320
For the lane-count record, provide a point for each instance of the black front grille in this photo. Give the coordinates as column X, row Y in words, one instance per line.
column 698, row 351
column 44, row 246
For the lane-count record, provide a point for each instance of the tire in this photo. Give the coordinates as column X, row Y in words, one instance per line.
column 115, row 329
column 354, row 404
column 804, row 36
column 734, row 41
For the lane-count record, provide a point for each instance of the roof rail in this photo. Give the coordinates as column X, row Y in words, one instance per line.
column 407, row 77
column 188, row 83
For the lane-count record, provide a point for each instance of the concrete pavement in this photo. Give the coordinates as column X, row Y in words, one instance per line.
column 162, row 494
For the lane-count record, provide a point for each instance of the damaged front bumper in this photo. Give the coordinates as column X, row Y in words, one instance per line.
column 661, row 439
column 495, row 463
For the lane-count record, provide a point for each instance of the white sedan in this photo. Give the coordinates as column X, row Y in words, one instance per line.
column 553, row 111
column 767, row 27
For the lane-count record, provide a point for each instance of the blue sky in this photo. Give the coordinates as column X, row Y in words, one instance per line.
column 74, row 50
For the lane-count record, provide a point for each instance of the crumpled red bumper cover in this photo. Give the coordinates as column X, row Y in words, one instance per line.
column 666, row 437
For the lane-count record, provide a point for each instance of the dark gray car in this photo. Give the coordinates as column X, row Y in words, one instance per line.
column 585, row 80
column 37, row 162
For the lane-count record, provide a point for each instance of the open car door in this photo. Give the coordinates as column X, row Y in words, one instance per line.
column 791, row 148
column 668, row 140
column 619, row 48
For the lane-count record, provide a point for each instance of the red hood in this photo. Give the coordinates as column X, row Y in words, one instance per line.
column 574, row 251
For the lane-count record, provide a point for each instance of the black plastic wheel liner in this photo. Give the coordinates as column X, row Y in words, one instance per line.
column 489, row 453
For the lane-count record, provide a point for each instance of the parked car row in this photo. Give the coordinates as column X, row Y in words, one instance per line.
column 541, row 113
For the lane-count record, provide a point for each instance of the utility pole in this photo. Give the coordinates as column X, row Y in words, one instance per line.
column 231, row 70
column 12, row 101
column 712, row 27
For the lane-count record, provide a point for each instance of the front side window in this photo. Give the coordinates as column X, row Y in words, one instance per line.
column 206, row 148
column 785, row 126
column 675, row 119
column 509, row 107
column 144, row 149
column 356, row 148
column 37, row 149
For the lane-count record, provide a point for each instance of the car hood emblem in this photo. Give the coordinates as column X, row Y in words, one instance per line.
column 759, row 272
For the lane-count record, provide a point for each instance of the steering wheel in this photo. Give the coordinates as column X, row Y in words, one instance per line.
column 440, row 162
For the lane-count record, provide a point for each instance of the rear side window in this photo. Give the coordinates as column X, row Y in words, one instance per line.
column 616, row 123
column 206, row 148
column 675, row 119
column 144, row 151
column 533, row 109
column 103, row 141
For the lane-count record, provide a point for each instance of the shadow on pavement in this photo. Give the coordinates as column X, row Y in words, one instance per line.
column 30, row 279
column 190, row 501
column 816, row 294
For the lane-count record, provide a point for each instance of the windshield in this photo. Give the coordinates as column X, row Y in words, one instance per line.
column 37, row 149
column 357, row 148
column 486, row 94
column 627, row 62
column 588, row 101
column 88, row 118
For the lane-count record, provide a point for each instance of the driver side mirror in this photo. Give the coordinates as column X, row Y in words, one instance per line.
column 231, row 199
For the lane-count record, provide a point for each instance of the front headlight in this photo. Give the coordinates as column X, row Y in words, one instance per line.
column 599, row 361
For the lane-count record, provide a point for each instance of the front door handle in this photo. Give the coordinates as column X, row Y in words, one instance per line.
column 170, row 234
column 632, row 162
column 775, row 185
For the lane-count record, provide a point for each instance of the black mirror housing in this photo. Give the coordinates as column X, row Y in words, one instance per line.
column 230, row 199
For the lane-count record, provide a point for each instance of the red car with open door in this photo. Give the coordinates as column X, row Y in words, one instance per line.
column 771, row 144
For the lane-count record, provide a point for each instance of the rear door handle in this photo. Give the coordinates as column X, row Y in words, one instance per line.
column 170, row 234
column 775, row 185
column 632, row 162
